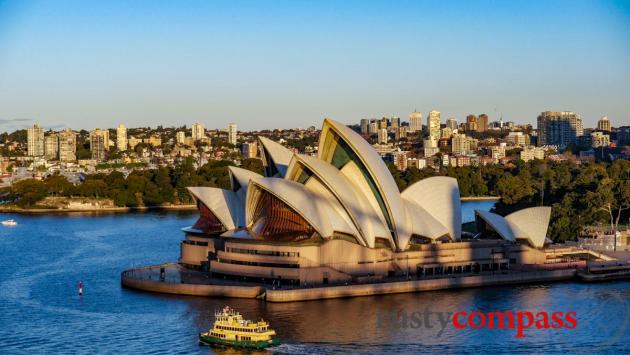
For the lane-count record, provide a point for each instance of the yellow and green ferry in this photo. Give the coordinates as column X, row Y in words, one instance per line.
column 230, row 329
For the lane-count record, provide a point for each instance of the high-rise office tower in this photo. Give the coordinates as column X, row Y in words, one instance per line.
column 559, row 128
column 433, row 125
column 382, row 136
column 446, row 132
column 415, row 121
column 103, row 133
column 395, row 122
column 604, row 124
column 579, row 127
column 383, row 123
column 180, row 137
column 471, row 123
column 365, row 126
column 198, row 131
column 452, row 123
column 373, row 127
column 67, row 145
column 35, row 141
column 232, row 133
column 401, row 132
column 482, row 123
column 121, row 137
column 98, row 144
column 51, row 146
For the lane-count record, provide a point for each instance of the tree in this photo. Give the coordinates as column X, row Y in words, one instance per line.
column 215, row 173
column 253, row 164
column 28, row 192
column 58, row 185
column 514, row 189
column 115, row 180
column 165, row 185
column 96, row 188
column 613, row 197
column 479, row 187
column 151, row 195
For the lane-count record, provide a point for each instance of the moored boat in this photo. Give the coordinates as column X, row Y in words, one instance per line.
column 9, row 222
column 230, row 329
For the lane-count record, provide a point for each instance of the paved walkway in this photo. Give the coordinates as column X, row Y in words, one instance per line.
column 175, row 273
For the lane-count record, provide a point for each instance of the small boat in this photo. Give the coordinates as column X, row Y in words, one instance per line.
column 230, row 329
column 9, row 222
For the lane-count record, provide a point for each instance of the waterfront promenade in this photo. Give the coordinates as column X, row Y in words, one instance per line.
column 182, row 281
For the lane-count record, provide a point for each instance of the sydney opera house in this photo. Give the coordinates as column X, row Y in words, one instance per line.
column 339, row 217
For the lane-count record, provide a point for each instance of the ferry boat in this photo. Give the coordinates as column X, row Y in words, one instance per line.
column 230, row 329
column 9, row 222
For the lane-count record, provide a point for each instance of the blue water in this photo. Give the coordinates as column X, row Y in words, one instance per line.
column 468, row 209
column 44, row 257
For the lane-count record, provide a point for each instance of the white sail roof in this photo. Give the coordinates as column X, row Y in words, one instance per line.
column 423, row 223
column 242, row 176
column 275, row 153
column 222, row 203
column 528, row 224
column 318, row 210
column 439, row 196
column 499, row 224
column 534, row 222
column 366, row 220
column 386, row 188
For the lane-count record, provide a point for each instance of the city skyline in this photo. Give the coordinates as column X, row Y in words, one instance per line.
column 409, row 122
column 266, row 65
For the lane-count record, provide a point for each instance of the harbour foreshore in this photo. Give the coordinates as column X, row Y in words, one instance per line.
column 97, row 209
column 479, row 198
column 444, row 283
column 186, row 207
column 148, row 279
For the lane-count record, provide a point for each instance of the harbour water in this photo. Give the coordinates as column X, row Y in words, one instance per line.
column 44, row 257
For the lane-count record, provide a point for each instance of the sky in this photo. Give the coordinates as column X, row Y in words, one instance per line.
column 287, row 64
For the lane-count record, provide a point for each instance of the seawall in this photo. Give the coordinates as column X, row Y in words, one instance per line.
column 337, row 291
column 417, row 285
column 190, row 289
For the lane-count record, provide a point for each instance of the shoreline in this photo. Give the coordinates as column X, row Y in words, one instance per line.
column 479, row 198
column 19, row 210
column 187, row 207
column 176, row 280
column 142, row 279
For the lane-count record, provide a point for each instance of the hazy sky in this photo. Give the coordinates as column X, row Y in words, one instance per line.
column 85, row 64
